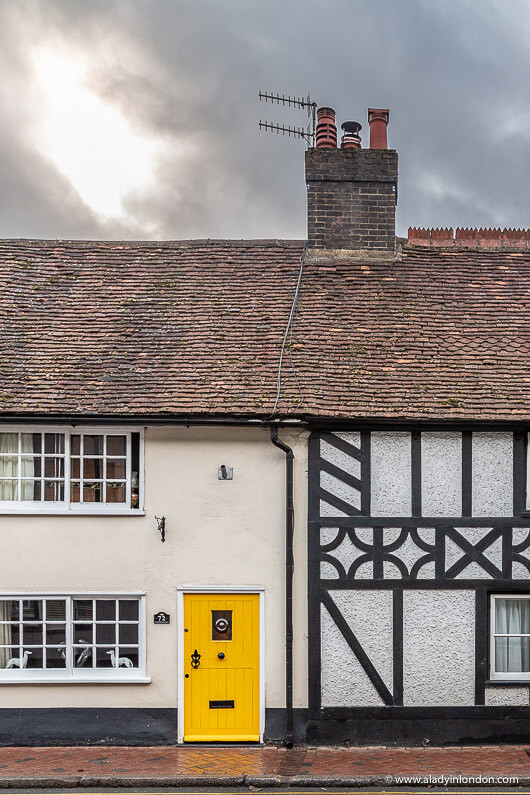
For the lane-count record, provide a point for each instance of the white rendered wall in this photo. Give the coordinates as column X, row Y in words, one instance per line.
column 224, row 533
column 441, row 474
column 390, row 473
column 369, row 616
column 492, row 474
column 438, row 648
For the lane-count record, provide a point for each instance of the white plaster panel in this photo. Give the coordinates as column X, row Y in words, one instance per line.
column 342, row 460
column 408, row 552
column 441, row 474
column 520, row 534
column 369, row 615
column 507, row 697
column 427, row 572
column 390, row 473
column 344, row 682
column 439, row 648
column 328, row 510
column 519, row 571
column 365, row 571
column 345, row 553
column 353, row 437
column 340, row 489
column 453, row 552
column 492, row 486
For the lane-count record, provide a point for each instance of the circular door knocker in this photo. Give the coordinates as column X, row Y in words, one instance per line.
column 221, row 625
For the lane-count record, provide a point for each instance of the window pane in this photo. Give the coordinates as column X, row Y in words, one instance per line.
column 10, row 657
column 105, row 657
column 512, row 616
column 116, row 492
column 55, row 658
column 116, row 468
column 92, row 492
column 32, row 609
column 9, row 634
column 105, row 609
column 30, row 490
column 92, row 445
column 75, row 447
column 56, row 609
column 32, row 634
column 116, row 445
column 128, row 609
column 30, row 466
column 75, row 492
column 8, row 443
column 128, row 657
column 54, row 467
column 8, row 489
column 83, row 633
column 92, row 468
column 54, row 490
column 83, row 656
column 55, row 634
column 32, row 658
column 31, row 443
column 54, row 443
column 75, row 471
column 128, row 633
column 82, row 609
column 106, row 633
column 9, row 609
column 512, row 655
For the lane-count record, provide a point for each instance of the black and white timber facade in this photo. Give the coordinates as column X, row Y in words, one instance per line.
column 411, row 535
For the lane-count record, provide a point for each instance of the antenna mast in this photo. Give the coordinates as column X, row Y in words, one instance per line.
column 307, row 134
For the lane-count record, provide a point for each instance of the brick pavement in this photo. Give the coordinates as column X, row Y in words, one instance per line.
column 259, row 766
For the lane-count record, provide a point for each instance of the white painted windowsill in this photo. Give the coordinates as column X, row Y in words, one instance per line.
column 54, row 511
column 78, row 680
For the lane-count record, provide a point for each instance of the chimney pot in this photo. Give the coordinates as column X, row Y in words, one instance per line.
column 351, row 138
column 378, row 121
column 326, row 132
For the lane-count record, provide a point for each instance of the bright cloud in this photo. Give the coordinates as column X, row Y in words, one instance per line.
column 87, row 139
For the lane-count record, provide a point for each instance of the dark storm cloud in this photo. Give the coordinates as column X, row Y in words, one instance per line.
column 453, row 72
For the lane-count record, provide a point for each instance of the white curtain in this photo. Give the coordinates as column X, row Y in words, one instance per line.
column 8, row 466
column 5, row 632
column 512, row 617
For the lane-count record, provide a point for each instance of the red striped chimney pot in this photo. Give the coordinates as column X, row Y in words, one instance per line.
column 378, row 121
column 326, row 132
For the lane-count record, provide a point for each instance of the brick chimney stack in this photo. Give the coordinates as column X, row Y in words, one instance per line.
column 352, row 193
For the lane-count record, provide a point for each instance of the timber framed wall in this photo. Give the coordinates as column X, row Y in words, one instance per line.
column 410, row 533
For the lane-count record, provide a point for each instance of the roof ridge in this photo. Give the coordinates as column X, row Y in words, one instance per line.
column 470, row 237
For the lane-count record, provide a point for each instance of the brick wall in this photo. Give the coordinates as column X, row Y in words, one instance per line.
column 351, row 198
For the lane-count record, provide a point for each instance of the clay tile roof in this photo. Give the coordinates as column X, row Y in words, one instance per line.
column 195, row 328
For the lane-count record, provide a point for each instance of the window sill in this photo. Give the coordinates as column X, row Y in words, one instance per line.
column 78, row 680
column 57, row 511
column 504, row 682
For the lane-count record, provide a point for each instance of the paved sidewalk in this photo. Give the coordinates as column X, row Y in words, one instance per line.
column 265, row 766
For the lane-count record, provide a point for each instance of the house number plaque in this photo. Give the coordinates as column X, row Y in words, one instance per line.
column 162, row 618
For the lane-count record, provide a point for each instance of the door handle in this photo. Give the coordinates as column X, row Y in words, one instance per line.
column 221, row 655
column 195, row 659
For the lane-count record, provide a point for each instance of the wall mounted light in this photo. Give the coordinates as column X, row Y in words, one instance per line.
column 161, row 527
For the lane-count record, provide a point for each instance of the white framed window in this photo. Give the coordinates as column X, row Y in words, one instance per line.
column 81, row 470
column 80, row 637
column 510, row 637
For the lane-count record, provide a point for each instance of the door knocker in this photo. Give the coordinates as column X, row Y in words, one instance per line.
column 221, row 625
column 195, row 659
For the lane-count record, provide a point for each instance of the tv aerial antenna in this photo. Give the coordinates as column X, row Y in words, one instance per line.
column 307, row 133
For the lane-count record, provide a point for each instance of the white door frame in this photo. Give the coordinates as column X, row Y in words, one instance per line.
column 185, row 589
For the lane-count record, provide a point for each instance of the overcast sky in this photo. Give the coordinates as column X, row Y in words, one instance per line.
column 139, row 118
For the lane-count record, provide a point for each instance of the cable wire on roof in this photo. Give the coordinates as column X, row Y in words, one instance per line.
column 289, row 334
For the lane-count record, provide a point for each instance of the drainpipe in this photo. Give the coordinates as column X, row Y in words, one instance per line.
column 289, row 570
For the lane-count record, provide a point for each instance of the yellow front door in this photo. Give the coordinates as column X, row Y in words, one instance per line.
column 221, row 667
